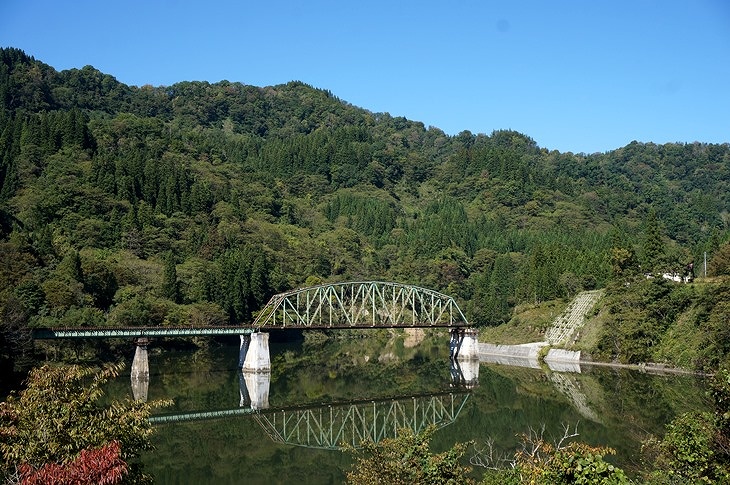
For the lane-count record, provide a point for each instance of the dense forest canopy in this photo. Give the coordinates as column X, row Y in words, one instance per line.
column 194, row 203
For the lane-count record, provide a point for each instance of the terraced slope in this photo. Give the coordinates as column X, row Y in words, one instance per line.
column 573, row 318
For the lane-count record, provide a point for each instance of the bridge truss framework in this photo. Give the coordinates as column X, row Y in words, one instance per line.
column 364, row 304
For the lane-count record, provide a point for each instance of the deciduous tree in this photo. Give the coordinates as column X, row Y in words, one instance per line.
column 58, row 422
column 408, row 459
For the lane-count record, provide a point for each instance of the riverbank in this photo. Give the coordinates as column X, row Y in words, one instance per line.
column 538, row 354
column 565, row 342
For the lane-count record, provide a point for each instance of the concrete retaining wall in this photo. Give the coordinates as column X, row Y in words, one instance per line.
column 560, row 355
column 526, row 351
column 560, row 360
column 519, row 355
column 526, row 355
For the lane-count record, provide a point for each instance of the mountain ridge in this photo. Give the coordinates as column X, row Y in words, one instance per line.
column 197, row 201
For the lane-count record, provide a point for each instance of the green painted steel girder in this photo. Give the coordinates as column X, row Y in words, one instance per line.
column 137, row 332
column 355, row 304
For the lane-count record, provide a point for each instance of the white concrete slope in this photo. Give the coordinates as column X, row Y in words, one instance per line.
column 573, row 318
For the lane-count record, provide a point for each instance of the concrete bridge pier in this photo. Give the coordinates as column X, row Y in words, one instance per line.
column 140, row 375
column 140, row 388
column 140, row 363
column 257, row 357
column 464, row 344
column 255, row 362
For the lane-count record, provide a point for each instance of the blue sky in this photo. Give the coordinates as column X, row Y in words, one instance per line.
column 581, row 76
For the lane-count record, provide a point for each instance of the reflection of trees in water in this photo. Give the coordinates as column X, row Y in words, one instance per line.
column 571, row 388
column 507, row 401
column 629, row 405
column 353, row 364
column 649, row 400
column 333, row 424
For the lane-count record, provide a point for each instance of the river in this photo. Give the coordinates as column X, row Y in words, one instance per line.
column 317, row 389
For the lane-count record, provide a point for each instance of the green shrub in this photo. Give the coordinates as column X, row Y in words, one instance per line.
column 407, row 459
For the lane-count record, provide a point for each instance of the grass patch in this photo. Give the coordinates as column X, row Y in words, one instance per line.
column 528, row 324
column 684, row 342
column 590, row 333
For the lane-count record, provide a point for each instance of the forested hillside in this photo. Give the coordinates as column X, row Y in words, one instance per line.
column 194, row 203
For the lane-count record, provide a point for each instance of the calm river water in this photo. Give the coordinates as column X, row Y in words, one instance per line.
column 323, row 392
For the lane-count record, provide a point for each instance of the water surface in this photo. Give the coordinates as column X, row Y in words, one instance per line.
column 317, row 390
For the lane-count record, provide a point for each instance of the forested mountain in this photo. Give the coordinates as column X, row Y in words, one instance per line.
column 194, row 203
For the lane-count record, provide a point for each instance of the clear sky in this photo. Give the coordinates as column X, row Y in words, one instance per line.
column 581, row 76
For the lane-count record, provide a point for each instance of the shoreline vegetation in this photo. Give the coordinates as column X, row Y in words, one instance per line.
column 691, row 314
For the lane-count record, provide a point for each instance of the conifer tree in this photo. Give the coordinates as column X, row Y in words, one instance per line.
column 170, row 285
column 653, row 243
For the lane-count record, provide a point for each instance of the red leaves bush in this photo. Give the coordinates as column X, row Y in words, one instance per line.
column 102, row 466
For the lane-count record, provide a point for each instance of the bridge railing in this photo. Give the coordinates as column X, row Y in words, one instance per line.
column 361, row 304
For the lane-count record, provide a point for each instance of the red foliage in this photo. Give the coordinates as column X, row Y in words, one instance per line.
column 103, row 466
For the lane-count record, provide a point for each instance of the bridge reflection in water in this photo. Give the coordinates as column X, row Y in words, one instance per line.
column 332, row 425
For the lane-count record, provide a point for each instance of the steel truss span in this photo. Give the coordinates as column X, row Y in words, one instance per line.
column 362, row 304
column 332, row 427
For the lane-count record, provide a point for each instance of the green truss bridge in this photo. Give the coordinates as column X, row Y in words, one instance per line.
column 352, row 305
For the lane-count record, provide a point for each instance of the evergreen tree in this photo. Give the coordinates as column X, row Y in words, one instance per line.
column 170, row 283
column 653, row 243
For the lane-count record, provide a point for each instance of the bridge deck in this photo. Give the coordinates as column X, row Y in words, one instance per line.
column 137, row 332
column 109, row 332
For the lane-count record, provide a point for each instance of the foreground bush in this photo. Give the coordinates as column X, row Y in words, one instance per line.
column 57, row 431
column 408, row 460
column 539, row 461
column 696, row 446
